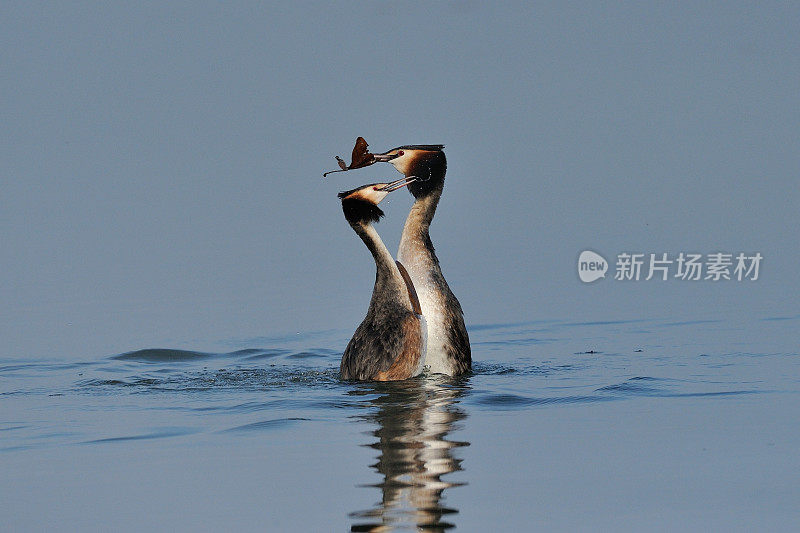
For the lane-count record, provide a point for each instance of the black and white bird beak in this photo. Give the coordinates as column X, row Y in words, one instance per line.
column 386, row 157
column 397, row 184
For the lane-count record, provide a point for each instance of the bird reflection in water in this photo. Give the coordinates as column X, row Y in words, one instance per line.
column 414, row 418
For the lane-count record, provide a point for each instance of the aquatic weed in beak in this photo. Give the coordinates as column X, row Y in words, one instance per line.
column 359, row 159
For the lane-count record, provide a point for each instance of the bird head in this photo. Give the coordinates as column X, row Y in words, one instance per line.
column 360, row 205
column 426, row 162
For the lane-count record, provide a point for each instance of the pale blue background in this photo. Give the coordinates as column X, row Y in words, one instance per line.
column 161, row 166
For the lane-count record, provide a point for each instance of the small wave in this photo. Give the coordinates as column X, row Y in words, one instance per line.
column 240, row 379
column 630, row 388
column 711, row 394
column 277, row 423
column 257, row 355
column 14, row 368
column 305, row 355
column 780, row 318
column 319, row 352
column 246, row 351
column 132, row 382
column 602, row 323
column 513, row 401
column 492, row 369
column 155, row 355
column 159, row 434
column 485, row 368
column 45, row 366
column 10, row 428
column 686, row 323
column 634, row 387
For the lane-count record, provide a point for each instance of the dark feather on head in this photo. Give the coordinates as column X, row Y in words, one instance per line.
column 357, row 210
column 430, row 167
column 427, row 147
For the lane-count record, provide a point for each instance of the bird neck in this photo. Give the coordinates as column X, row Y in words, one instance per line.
column 389, row 283
column 420, row 217
column 368, row 234
column 415, row 240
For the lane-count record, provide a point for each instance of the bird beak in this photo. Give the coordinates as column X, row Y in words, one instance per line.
column 384, row 158
column 402, row 182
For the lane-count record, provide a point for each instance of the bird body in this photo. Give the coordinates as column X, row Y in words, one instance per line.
column 447, row 337
column 390, row 342
column 447, row 349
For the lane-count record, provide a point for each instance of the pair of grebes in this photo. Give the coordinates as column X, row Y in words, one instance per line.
column 414, row 323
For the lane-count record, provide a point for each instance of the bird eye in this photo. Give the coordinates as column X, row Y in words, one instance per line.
column 399, row 153
column 375, row 188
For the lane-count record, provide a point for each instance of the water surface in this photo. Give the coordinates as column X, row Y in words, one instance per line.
column 638, row 424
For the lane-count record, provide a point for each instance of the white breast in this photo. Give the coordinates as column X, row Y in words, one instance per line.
column 424, row 331
column 430, row 300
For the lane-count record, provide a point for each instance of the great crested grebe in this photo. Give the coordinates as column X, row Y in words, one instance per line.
column 448, row 350
column 390, row 342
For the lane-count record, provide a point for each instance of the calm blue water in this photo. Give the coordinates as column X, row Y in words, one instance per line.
column 629, row 425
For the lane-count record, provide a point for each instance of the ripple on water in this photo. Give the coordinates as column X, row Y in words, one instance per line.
column 508, row 401
column 633, row 389
column 159, row 355
column 489, row 368
column 160, row 433
column 265, row 425
column 296, row 375
column 317, row 352
column 283, row 393
column 257, row 355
